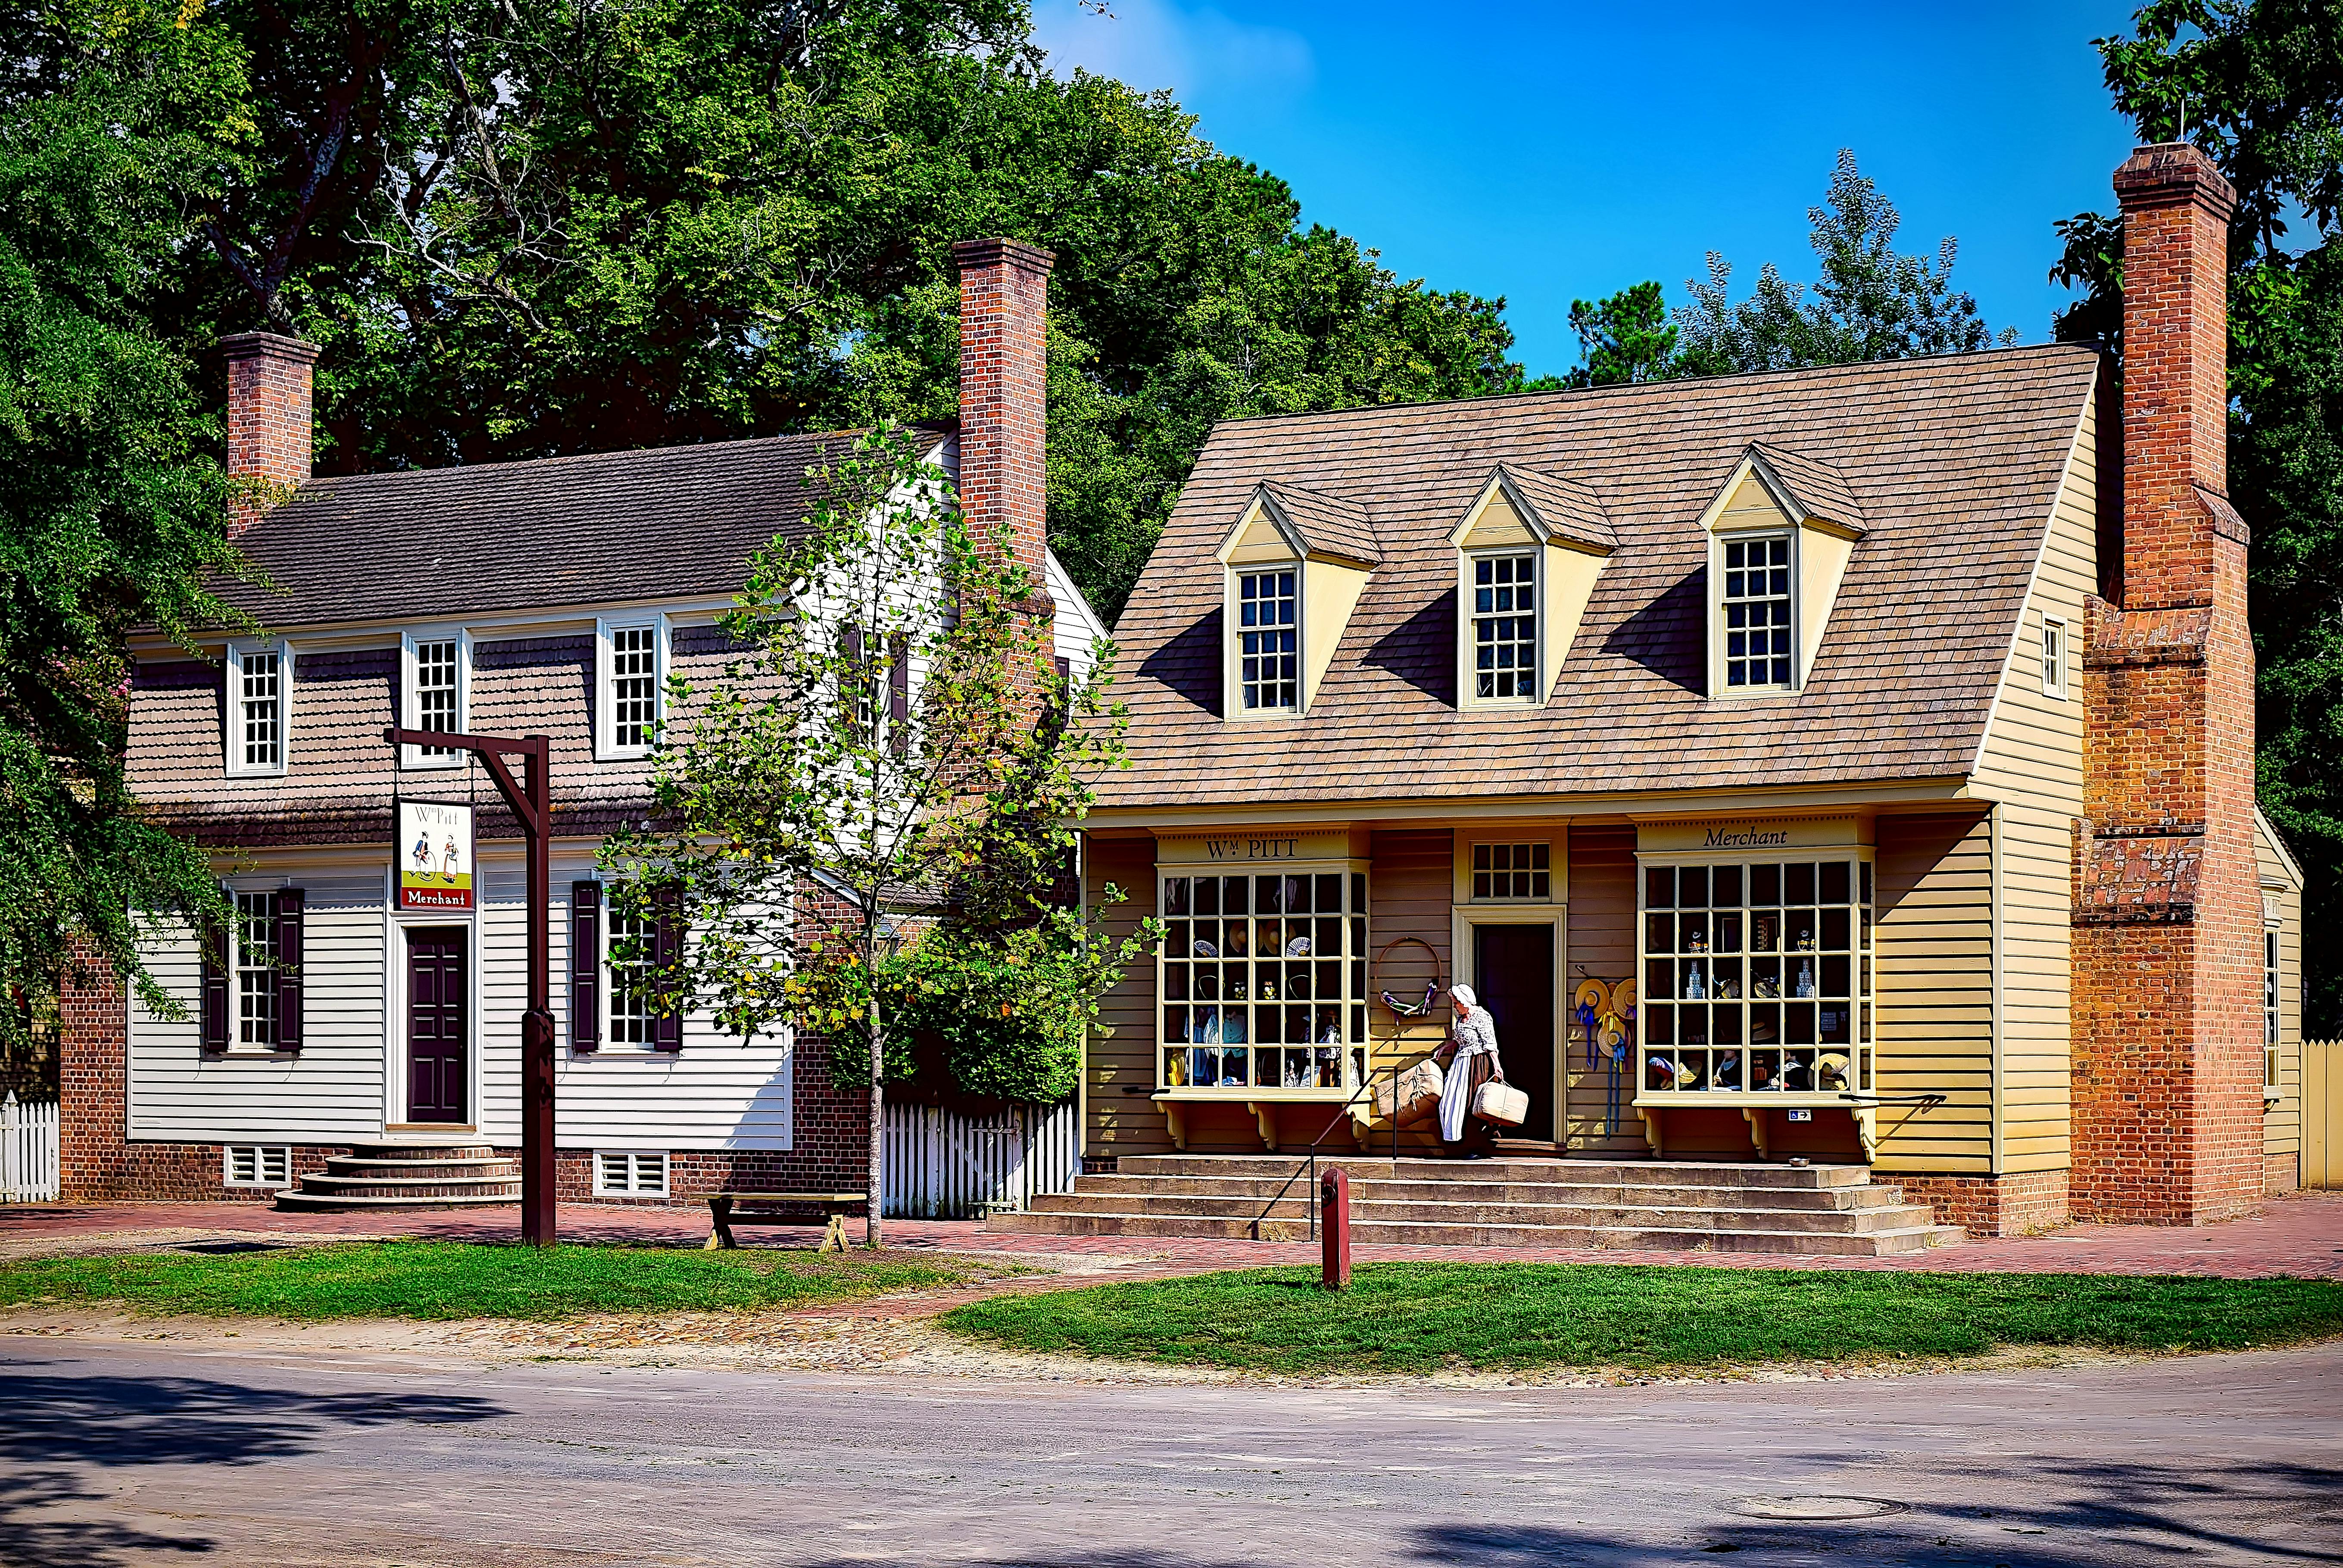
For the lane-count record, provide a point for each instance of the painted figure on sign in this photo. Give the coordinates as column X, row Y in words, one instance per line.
column 448, row 866
column 422, row 854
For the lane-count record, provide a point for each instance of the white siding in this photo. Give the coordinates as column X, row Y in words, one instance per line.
column 716, row 1093
column 332, row 1092
column 1076, row 625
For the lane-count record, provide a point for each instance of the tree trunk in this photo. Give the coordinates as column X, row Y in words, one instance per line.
column 875, row 1195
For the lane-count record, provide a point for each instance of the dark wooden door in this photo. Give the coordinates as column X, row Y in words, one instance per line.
column 436, row 992
column 1512, row 970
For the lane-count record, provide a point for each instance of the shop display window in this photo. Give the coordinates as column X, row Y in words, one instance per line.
column 1263, row 981
column 1757, row 977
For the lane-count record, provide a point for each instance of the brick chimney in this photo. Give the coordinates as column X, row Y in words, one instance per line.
column 2167, row 1108
column 1005, row 287
column 268, row 414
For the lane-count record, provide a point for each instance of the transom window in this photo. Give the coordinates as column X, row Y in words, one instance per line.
column 1263, row 981
column 1757, row 977
column 632, row 1018
column 1512, row 871
column 435, row 693
column 1756, row 605
column 1504, row 626
column 634, row 685
column 1268, row 653
column 255, row 970
column 261, row 708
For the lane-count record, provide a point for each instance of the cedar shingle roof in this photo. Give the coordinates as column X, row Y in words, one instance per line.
column 603, row 527
column 1326, row 525
column 1565, row 507
column 1815, row 487
column 1950, row 465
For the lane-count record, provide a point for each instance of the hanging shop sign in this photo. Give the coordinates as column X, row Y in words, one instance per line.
column 434, row 850
column 1731, row 835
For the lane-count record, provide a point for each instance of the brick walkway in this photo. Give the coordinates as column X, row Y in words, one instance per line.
column 2300, row 1236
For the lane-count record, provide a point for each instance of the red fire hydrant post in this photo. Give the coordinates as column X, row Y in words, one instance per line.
column 1334, row 1226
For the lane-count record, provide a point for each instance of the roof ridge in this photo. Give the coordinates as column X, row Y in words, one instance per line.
column 514, row 464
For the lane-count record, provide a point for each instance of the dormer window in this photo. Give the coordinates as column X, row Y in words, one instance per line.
column 630, row 678
column 438, row 681
column 1781, row 532
column 1757, row 650
column 259, row 704
column 1268, row 650
column 1505, row 628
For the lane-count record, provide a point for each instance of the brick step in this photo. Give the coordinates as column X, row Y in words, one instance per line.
column 396, row 1169
column 418, row 1187
column 1433, row 1213
column 1561, row 1192
column 421, row 1153
column 1911, row 1238
column 321, row 1204
column 1611, row 1172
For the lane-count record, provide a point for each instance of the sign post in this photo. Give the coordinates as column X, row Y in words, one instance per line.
column 530, row 796
column 1335, row 1234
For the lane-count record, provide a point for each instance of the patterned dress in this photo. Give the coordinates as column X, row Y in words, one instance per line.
column 1473, row 1064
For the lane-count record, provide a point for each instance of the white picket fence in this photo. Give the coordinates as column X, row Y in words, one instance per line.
column 942, row 1165
column 28, row 1150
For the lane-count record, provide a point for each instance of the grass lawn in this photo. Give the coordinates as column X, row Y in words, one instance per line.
column 1422, row 1317
column 444, row 1280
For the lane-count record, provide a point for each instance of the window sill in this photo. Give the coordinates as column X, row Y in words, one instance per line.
column 1833, row 1099
column 1238, row 1094
column 254, row 1053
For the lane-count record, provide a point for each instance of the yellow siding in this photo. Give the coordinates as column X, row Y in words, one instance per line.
column 1600, row 944
column 2282, row 1118
column 1118, row 1122
column 1408, row 893
column 2032, row 764
column 1934, row 1020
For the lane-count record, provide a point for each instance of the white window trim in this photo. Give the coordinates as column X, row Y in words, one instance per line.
column 235, row 888
column 1717, row 540
column 232, row 710
column 2054, row 682
column 260, row 1162
column 606, row 715
column 411, row 699
column 1467, row 687
column 607, row 990
column 2273, row 968
column 634, row 1159
column 1232, row 645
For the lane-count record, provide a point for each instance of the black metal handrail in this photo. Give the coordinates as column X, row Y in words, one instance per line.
column 1364, row 1085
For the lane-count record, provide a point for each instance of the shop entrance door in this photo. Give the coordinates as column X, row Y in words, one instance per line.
column 437, row 1076
column 1513, row 974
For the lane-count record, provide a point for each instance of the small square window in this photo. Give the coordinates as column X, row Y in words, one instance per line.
column 2054, row 656
column 1518, row 871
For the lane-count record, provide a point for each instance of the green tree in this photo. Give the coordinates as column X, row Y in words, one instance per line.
column 1870, row 301
column 2259, row 87
column 1625, row 338
column 895, row 733
column 114, row 504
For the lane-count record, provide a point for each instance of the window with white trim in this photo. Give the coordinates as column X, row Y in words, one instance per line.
column 1505, row 628
column 2054, row 656
column 437, row 693
column 632, row 1016
column 629, row 1173
column 1753, row 605
column 632, row 670
column 259, row 686
column 256, row 1165
column 255, row 972
column 1269, row 657
column 1516, row 871
column 2270, row 1064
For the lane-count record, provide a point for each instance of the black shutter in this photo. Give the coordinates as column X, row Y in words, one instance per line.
column 215, row 1008
column 584, row 967
column 290, row 901
column 666, row 950
column 899, row 693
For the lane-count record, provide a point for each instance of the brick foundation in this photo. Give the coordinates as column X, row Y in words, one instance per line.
column 2281, row 1173
column 2019, row 1204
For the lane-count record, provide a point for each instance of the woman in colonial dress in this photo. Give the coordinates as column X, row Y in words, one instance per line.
column 1472, row 1051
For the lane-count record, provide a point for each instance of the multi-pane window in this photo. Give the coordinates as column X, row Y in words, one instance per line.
column 2270, row 1010
column 1756, row 605
column 1757, row 977
column 1504, row 626
column 435, row 693
column 1512, row 871
column 1263, row 981
column 1268, row 656
column 260, row 709
column 634, row 686
column 2054, row 656
column 632, row 1016
column 256, row 970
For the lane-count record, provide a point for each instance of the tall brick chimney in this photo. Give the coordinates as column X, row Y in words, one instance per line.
column 1004, row 286
column 2167, row 1108
column 268, row 414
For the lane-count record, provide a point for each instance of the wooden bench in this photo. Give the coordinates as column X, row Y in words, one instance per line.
column 781, row 1209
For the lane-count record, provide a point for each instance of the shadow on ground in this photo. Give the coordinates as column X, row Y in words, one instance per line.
column 59, row 1430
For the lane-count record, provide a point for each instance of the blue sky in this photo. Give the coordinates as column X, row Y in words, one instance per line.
column 1545, row 153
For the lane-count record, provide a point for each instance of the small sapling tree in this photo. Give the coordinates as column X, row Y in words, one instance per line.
column 892, row 738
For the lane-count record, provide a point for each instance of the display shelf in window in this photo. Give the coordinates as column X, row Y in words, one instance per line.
column 1261, row 983
column 1757, row 980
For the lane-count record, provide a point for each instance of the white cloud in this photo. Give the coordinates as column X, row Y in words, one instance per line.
column 1160, row 44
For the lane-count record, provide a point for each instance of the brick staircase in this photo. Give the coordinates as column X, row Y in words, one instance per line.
column 408, row 1176
column 1834, row 1210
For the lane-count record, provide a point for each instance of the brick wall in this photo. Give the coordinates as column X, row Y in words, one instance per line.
column 2167, row 1111
column 268, row 414
column 1003, row 375
column 2016, row 1204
